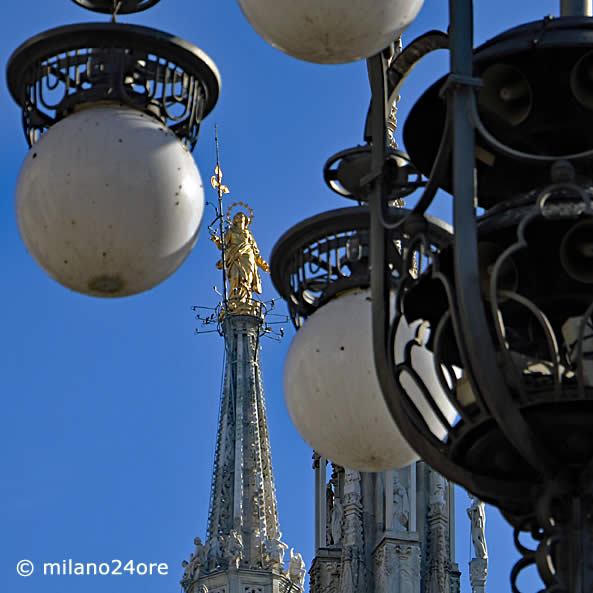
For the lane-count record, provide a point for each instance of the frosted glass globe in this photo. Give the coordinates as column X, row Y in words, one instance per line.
column 332, row 392
column 330, row 31
column 109, row 202
column 410, row 349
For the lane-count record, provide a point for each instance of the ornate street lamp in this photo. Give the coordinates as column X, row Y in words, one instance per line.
column 503, row 314
column 109, row 200
column 321, row 268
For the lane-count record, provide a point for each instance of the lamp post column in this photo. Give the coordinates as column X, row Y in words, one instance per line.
column 320, row 465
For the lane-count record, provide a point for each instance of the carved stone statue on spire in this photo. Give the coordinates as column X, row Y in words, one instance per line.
column 214, row 551
column 187, row 578
column 200, row 551
column 401, row 506
column 234, row 549
column 477, row 517
column 296, row 569
column 192, row 568
column 274, row 551
column 336, row 520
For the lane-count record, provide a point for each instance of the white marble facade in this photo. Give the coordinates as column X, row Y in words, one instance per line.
column 390, row 532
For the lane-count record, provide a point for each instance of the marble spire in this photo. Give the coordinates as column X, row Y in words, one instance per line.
column 243, row 551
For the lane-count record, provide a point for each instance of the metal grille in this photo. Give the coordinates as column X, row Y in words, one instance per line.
column 59, row 71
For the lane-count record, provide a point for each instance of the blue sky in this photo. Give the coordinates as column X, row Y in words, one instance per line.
column 110, row 406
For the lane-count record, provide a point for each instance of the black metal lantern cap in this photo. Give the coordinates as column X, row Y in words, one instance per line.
column 320, row 257
column 346, row 173
column 328, row 254
column 119, row 6
column 536, row 99
column 53, row 73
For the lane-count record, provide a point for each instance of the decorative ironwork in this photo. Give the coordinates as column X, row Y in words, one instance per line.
column 319, row 258
column 213, row 317
column 64, row 69
column 540, row 318
column 543, row 340
column 514, row 107
column 560, row 525
column 528, row 555
column 116, row 6
column 346, row 173
column 329, row 254
column 490, row 384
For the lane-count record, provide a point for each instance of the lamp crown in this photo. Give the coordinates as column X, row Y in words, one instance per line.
column 57, row 72
column 116, row 6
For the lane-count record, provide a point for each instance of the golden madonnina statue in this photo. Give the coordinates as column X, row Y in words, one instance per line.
column 242, row 259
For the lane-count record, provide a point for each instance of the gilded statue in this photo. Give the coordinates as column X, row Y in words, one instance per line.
column 242, row 260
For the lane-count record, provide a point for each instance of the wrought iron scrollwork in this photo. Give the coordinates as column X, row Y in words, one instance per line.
column 64, row 69
column 329, row 254
column 528, row 555
column 561, row 526
column 119, row 6
column 345, row 173
column 319, row 258
column 543, row 340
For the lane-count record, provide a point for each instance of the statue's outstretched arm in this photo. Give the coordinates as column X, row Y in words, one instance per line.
column 262, row 263
column 259, row 260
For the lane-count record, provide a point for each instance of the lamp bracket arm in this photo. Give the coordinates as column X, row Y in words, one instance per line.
column 403, row 64
column 473, row 322
column 456, row 80
column 439, row 167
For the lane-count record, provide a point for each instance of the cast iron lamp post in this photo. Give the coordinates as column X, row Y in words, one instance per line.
column 496, row 323
column 109, row 200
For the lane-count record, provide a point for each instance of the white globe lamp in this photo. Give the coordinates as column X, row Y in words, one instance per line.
column 109, row 200
column 330, row 31
column 332, row 392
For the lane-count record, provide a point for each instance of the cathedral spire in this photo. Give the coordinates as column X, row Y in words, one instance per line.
column 243, row 551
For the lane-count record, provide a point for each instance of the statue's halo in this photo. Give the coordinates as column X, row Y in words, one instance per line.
column 243, row 206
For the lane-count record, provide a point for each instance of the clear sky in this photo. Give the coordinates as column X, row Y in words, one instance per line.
column 109, row 415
